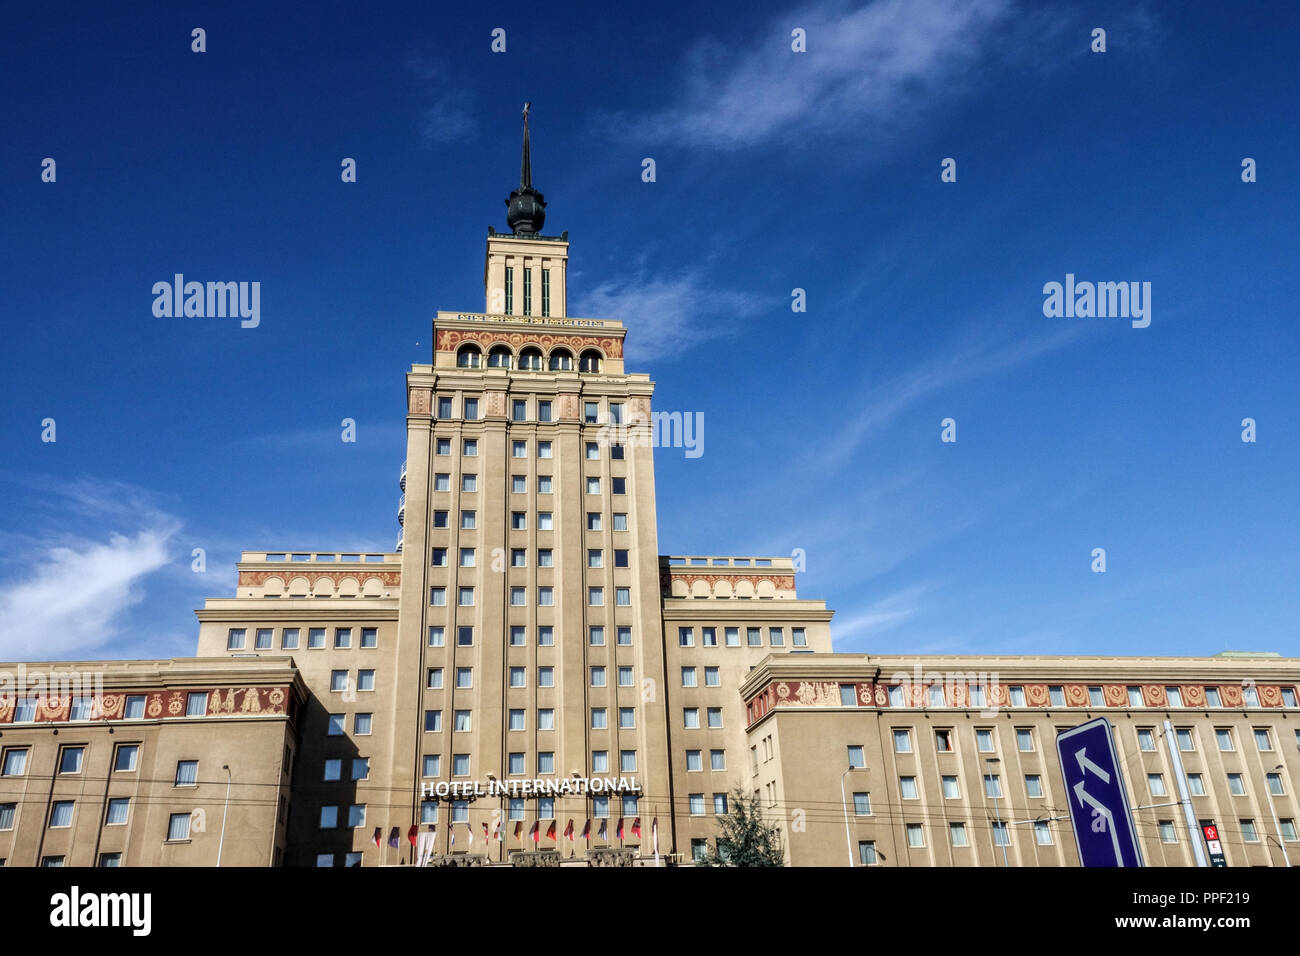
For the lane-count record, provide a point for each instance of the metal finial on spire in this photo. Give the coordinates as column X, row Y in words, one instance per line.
column 526, row 209
column 526, row 165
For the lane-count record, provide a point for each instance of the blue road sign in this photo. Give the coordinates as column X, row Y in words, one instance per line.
column 1099, row 808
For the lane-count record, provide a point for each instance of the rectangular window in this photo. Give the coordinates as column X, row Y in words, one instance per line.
column 370, row 637
column 262, row 641
column 943, row 741
column 438, row 597
column 546, row 292
column 432, row 721
column 1095, row 697
column 178, row 826
column 466, row 597
column 732, row 636
column 543, row 449
column 360, row 768
column 70, row 759
column 543, row 411
column 1001, row 836
column 440, row 520
column 467, row 520
column 516, row 677
column 1196, row 784
column 593, row 520
column 460, row 722
column 627, row 761
column 624, row 635
column 598, row 719
column 469, row 448
column 545, row 718
column 545, row 558
column 1043, row 832
column 1185, row 739
column 442, row 482
column 1056, row 695
column 333, row 770
column 907, row 787
column 1156, row 784
column 546, row 597
column 124, row 761
column 519, row 410
column 1262, row 739
column 857, row 760
column 715, row 716
column 510, row 290
column 1135, row 696
column 460, row 765
column 902, row 741
column 867, row 852
column 361, row 724
column 444, row 406
column 1275, row 784
column 1212, row 697
column 754, row 636
column 957, row 831
column 1024, row 739
column 118, row 809
column 862, row 804
column 598, row 677
column 596, row 596
column 1287, row 826
column 543, row 484
column 545, row 636
column 437, row 636
column 711, row 677
column 467, row 557
column 776, row 636
column 471, row 414
column 196, row 704
column 1250, row 696
column 798, row 637
column 545, row 522
column 187, row 773
column 691, row 718
column 1017, row 696
column 545, row 677
column 442, row 446
column 993, row 786
column 693, row 761
column 235, row 639
column 717, row 760
column 528, row 291
column 620, row 522
column 464, row 636
column 951, row 788
column 984, row 741
column 338, row 681
column 135, row 703
column 337, row 723
column 1167, row 832
column 618, row 486
column 1248, row 832
column 1236, row 785
column 1146, row 739
column 1033, row 785
column 1174, row 695
column 625, row 676
column 915, row 835
column 1223, row 737
column 546, row 761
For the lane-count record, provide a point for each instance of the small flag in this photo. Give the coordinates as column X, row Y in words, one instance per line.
column 550, row 831
column 451, row 829
column 604, row 829
column 378, row 837
column 568, row 831
column 586, row 830
column 469, row 828
column 532, row 834
column 485, row 832
column 496, row 832
column 413, row 833
column 636, row 827
column 519, row 831
column 424, row 849
column 654, row 830
column 395, row 838
column 619, row 829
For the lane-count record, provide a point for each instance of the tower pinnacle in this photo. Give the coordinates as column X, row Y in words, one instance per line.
column 525, row 209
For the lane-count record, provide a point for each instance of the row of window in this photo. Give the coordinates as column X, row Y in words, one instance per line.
column 629, row 805
column 591, row 413
column 516, row 763
column 753, row 638
column 519, row 596
column 117, row 813
column 1096, row 698
column 519, row 636
column 236, row 638
column 545, row 519
column 529, row 359
column 519, row 450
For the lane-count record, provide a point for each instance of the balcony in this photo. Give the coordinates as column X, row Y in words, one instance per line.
column 401, row 510
column 402, row 480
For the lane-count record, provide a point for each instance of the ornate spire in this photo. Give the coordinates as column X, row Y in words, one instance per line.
column 526, row 209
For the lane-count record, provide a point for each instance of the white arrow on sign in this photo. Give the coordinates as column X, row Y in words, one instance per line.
column 1085, row 765
column 1085, row 797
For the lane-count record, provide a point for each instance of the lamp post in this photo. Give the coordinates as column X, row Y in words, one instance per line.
column 990, row 761
column 1276, row 825
column 848, row 839
column 221, row 841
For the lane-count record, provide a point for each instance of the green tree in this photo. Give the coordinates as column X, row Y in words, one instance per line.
column 744, row 837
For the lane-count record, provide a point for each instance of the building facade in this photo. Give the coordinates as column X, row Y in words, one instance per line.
column 526, row 679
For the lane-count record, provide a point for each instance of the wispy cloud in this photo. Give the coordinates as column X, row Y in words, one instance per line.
column 877, row 617
column 668, row 315
column 447, row 116
column 73, row 600
column 872, row 68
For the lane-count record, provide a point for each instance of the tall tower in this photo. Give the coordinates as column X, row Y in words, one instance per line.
column 530, row 628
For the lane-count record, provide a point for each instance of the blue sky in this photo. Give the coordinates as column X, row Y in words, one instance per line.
column 775, row 171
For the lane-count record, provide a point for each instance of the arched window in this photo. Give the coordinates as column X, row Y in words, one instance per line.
column 561, row 360
column 499, row 357
column 530, row 360
column 469, row 356
column 589, row 361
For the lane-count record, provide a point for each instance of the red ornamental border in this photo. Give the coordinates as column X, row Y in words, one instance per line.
column 797, row 693
column 222, row 702
column 778, row 580
column 450, row 339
